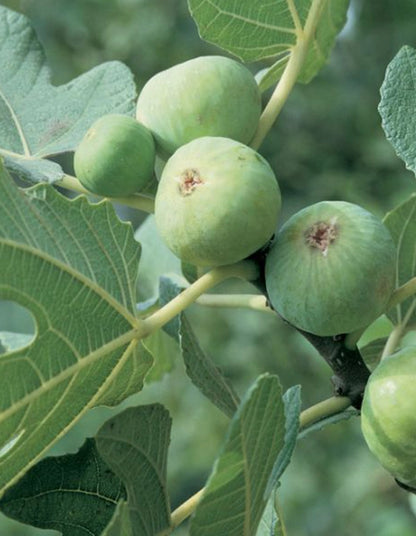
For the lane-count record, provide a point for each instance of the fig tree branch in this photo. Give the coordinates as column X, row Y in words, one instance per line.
column 244, row 270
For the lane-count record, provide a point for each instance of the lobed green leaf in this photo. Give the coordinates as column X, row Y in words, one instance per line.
column 40, row 120
column 73, row 266
column 254, row 30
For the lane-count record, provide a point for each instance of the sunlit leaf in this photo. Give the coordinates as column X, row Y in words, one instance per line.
column 257, row 29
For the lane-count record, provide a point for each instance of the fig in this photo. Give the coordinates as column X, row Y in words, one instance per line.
column 205, row 96
column 331, row 269
column 217, row 202
column 388, row 415
column 116, row 156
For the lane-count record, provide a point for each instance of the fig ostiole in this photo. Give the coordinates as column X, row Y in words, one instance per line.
column 388, row 415
column 205, row 96
column 116, row 156
column 331, row 269
column 217, row 202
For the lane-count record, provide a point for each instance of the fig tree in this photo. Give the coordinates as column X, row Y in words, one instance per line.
column 388, row 415
column 331, row 269
column 217, row 202
column 116, row 156
column 205, row 96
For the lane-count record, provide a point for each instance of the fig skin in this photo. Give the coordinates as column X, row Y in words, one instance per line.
column 331, row 269
column 205, row 96
column 388, row 415
column 217, row 202
column 116, row 156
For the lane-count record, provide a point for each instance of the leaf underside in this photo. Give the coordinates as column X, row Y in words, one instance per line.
column 74, row 267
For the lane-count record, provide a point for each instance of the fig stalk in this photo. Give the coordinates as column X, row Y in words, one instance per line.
column 350, row 372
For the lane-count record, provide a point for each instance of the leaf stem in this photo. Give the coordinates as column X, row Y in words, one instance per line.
column 315, row 413
column 321, row 410
column 244, row 270
column 402, row 293
column 397, row 333
column 140, row 202
column 185, row 509
column 256, row 302
column 290, row 74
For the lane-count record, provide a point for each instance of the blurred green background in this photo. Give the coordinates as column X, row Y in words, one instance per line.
column 327, row 144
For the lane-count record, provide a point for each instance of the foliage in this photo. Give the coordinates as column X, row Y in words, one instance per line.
column 102, row 334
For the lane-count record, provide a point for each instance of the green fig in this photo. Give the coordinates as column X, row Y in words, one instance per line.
column 388, row 415
column 331, row 269
column 116, row 157
column 217, row 202
column 205, row 96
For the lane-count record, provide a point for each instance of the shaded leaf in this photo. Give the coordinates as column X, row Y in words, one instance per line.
column 333, row 419
column 164, row 352
column 156, row 260
column 38, row 119
column 135, row 445
column 292, row 406
column 372, row 351
column 270, row 524
column 73, row 266
column 200, row 368
column 61, row 493
column 236, row 493
column 256, row 29
column 401, row 223
column 120, row 525
column 397, row 105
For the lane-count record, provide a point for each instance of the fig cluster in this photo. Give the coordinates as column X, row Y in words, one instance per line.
column 217, row 200
column 331, row 268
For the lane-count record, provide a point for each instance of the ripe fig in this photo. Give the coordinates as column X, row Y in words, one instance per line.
column 217, row 202
column 116, row 156
column 205, row 96
column 331, row 269
column 388, row 415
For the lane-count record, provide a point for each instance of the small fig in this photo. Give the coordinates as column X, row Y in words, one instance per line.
column 388, row 415
column 331, row 269
column 217, row 202
column 116, row 156
column 206, row 96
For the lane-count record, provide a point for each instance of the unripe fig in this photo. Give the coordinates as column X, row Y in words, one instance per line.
column 206, row 96
column 116, row 156
column 331, row 269
column 388, row 415
column 217, row 202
